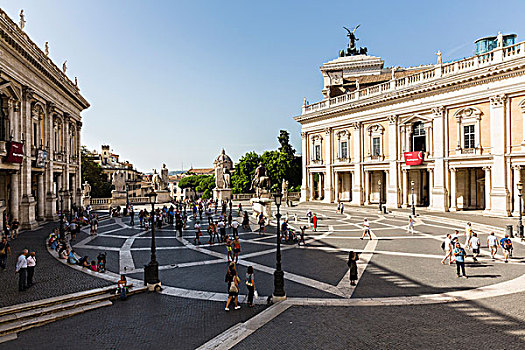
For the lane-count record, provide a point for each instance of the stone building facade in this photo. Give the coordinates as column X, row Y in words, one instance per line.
column 40, row 127
column 448, row 136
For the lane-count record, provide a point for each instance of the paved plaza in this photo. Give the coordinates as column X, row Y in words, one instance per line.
column 404, row 294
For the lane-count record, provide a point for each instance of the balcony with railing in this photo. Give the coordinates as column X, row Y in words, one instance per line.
column 500, row 54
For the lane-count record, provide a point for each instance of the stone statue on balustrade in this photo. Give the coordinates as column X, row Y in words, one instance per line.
column 261, row 182
column 119, row 181
column 164, row 177
column 86, row 189
column 156, row 181
column 285, row 191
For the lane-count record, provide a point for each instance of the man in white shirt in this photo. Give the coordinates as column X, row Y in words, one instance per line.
column 235, row 228
column 475, row 244
column 31, row 263
column 222, row 229
column 366, row 229
column 492, row 243
column 21, row 269
column 447, row 247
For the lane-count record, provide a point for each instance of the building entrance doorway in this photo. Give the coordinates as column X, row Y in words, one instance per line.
column 470, row 189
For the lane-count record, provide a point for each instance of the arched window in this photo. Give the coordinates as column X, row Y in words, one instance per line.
column 418, row 137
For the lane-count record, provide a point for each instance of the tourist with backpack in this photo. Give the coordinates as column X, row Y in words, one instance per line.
column 506, row 245
column 447, row 247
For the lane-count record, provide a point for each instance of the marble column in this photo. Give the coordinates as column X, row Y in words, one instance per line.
column 336, row 186
column 487, row 188
column 312, row 186
column 15, row 196
column 41, row 196
column 430, row 184
column 405, row 188
column 453, row 199
column 367, row 187
column 516, row 169
column 27, row 203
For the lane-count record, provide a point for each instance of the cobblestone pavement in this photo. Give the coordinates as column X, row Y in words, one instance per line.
column 51, row 279
column 144, row 321
column 402, row 282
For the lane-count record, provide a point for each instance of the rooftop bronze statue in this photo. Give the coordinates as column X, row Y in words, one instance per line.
column 352, row 50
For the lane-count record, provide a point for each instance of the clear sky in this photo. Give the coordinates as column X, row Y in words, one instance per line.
column 175, row 81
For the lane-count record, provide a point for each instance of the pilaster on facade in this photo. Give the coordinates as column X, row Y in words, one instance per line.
column 516, row 178
column 357, row 188
column 393, row 190
column 328, row 197
column 304, row 158
column 439, row 194
column 500, row 196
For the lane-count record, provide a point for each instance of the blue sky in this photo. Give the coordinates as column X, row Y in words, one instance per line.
column 175, row 81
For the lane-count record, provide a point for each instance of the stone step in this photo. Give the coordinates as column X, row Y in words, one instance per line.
column 52, row 308
column 53, row 301
column 21, row 325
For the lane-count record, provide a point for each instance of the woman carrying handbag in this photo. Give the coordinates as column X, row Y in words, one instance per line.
column 233, row 286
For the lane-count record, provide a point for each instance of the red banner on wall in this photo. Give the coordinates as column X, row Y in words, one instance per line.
column 414, row 158
column 15, row 152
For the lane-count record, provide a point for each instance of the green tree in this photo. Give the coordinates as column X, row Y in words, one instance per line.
column 284, row 141
column 199, row 183
column 92, row 173
column 243, row 174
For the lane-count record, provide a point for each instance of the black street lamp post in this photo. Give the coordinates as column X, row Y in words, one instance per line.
column 413, row 202
column 520, row 222
column 151, row 270
column 278, row 275
column 70, row 197
column 127, row 197
column 380, row 202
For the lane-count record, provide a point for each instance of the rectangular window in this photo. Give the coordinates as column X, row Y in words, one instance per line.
column 344, row 150
column 469, row 136
column 35, row 135
column 317, row 152
column 376, row 146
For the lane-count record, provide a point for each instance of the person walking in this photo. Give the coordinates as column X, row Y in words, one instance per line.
column 31, row 264
column 261, row 224
column 492, row 244
column 198, row 233
column 239, row 211
column 352, row 265
column 222, row 229
column 232, row 281
column 236, row 244
column 5, row 250
column 21, row 270
column 448, row 248
column 309, row 217
column 246, row 222
column 314, row 221
column 410, row 227
column 342, row 209
column 303, row 228
column 459, row 257
column 235, row 228
column 229, row 249
column 14, row 228
column 131, row 217
column 475, row 244
column 468, row 234
column 506, row 245
column 366, row 229
column 250, row 285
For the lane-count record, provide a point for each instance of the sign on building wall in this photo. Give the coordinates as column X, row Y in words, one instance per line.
column 15, row 152
column 414, row 158
column 41, row 158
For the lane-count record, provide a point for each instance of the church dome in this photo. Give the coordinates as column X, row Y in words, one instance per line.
column 223, row 160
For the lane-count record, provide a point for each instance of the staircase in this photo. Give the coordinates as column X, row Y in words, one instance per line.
column 17, row 318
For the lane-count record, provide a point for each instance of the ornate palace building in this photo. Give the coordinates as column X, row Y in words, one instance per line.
column 449, row 136
column 40, row 126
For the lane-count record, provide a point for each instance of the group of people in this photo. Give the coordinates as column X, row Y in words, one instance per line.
column 455, row 253
column 233, row 282
column 25, row 264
